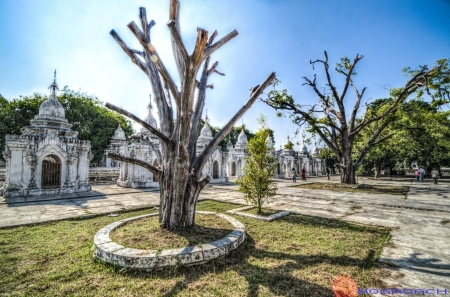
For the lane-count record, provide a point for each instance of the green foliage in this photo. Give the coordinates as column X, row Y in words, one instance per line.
column 330, row 158
column 417, row 131
column 344, row 65
column 93, row 121
column 438, row 83
column 289, row 145
column 257, row 183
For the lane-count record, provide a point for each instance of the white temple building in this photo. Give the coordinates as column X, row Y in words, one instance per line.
column 289, row 159
column 143, row 146
column 222, row 164
column 47, row 158
column 146, row 147
column 115, row 145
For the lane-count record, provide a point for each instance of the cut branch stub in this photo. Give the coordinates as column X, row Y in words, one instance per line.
column 212, row 48
column 200, row 44
column 174, row 9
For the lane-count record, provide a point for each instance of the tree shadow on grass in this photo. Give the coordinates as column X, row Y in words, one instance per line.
column 279, row 279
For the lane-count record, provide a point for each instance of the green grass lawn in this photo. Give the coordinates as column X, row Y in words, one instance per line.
column 371, row 189
column 293, row 256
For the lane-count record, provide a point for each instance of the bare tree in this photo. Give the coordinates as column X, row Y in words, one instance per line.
column 180, row 174
column 337, row 128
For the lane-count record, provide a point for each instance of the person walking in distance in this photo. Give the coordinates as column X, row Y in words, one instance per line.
column 422, row 173
column 434, row 175
column 303, row 174
column 417, row 174
column 328, row 173
column 294, row 175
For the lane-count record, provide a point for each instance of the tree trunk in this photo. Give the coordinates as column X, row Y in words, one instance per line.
column 378, row 169
column 349, row 176
column 259, row 204
column 180, row 172
column 177, row 208
column 348, row 171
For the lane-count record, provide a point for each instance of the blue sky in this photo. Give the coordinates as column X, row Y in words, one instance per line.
column 72, row 36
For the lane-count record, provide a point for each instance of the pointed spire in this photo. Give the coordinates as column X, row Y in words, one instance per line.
column 206, row 118
column 54, row 86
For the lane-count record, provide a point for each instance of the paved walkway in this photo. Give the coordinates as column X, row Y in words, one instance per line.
column 419, row 248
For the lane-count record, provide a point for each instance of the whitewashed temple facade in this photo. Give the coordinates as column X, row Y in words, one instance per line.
column 145, row 146
column 290, row 159
column 223, row 164
column 47, row 158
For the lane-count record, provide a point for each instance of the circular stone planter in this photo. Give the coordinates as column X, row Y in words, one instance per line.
column 108, row 251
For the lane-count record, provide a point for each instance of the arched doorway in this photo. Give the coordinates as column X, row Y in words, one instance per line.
column 233, row 169
column 51, row 172
column 155, row 163
column 215, row 169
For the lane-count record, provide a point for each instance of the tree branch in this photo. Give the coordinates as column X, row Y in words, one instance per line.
column 198, row 110
column 200, row 161
column 330, row 84
column 322, row 97
column 311, row 121
column 146, row 125
column 356, row 106
column 212, row 48
column 149, row 167
column 129, row 51
column 151, row 51
column 176, row 37
column 174, row 15
column 349, row 74
column 144, row 22
column 371, row 143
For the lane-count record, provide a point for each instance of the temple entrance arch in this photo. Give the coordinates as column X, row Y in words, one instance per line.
column 233, row 169
column 51, row 172
column 215, row 170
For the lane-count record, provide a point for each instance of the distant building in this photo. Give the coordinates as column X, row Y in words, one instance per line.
column 289, row 159
column 147, row 147
column 47, row 158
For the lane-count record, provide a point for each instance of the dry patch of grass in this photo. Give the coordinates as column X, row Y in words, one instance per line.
column 360, row 188
column 147, row 234
column 293, row 256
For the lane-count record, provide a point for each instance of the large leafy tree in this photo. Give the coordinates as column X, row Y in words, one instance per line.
column 417, row 131
column 179, row 109
column 257, row 183
column 339, row 128
column 428, row 130
column 93, row 121
column 386, row 152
